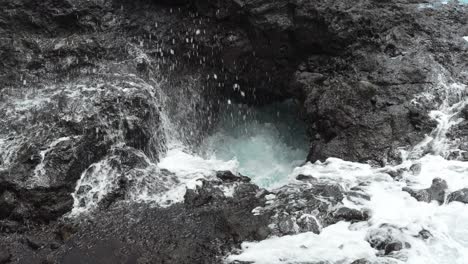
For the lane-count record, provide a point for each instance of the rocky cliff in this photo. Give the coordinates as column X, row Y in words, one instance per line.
column 84, row 80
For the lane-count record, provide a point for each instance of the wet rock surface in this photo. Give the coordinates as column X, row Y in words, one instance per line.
column 436, row 192
column 458, row 196
column 125, row 232
column 355, row 66
column 82, row 81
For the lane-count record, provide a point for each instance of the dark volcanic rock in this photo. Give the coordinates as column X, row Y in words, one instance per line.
column 458, row 196
column 386, row 239
column 73, row 135
column 303, row 208
column 86, row 81
column 435, row 192
column 349, row 215
column 355, row 66
column 228, row 176
column 5, row 256
column 190, row 233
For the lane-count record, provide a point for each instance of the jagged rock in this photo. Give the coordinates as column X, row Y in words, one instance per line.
column 228, row 176
column 349, row 215
column 415, row 169
column 355, row 67
column 458, row 196
column 394, row 246
column 203, row 195
column 435, row 192
column 396, row 174
column 308, row 223
column 385, row 238
column 302, row 177
column 299, row 208
column 425, row 234
column 184, row 233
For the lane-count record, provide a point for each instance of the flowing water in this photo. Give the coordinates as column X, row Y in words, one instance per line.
column 269, row 145
column 408, row 218
column 267, row 142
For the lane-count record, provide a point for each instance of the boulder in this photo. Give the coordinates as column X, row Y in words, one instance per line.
column 458, row 196
column 435, row 192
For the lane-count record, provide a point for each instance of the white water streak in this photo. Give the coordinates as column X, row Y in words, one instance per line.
column 447, row 223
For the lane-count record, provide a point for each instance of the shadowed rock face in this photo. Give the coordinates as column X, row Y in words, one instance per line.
column 79, row 77
column 356, row 66
column 459, row 196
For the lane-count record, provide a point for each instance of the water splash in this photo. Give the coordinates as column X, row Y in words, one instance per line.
column 388, row 205
column 268, row 142
column 454, row 99
column 40, row 177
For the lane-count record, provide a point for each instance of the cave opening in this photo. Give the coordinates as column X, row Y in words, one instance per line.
column 267, row 141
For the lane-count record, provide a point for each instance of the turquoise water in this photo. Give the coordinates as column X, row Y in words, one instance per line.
column 267, row 142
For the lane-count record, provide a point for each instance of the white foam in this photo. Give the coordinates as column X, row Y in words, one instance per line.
column 149, row 184
column 262, row 141
column 388, row 204
column 39, row 176
column 336, row 243
column 188, row 166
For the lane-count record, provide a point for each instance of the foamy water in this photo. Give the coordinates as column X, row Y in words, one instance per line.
column 267, row 142
column 265, row 145
column 389, row 205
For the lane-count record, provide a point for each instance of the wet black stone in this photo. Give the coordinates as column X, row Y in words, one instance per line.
column 228, row 176
column 392, row 247
column 425, row 234
column 349, row 214
column 458, row 196
column 435, row 192
column 302, row 177
column 354, row 72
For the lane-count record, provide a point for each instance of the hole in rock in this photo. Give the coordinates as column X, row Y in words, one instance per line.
column 268, row 142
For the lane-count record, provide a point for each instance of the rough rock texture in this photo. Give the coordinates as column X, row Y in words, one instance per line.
column 434, row 193
column 82, row 81
column 206, row 226
column 80, row 77
column 203, row 228
column 458, row 196
column 356, row 66
column 308, row 207
column 386, row 239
